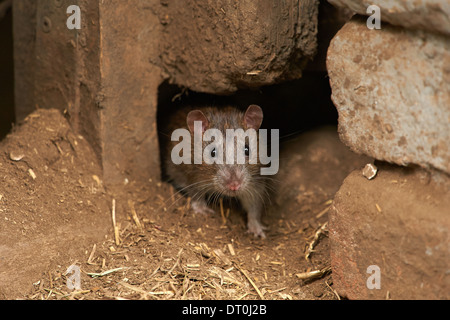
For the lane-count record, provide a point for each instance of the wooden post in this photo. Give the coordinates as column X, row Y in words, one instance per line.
column 24, row 29
column 99, row 76
column 129, row 90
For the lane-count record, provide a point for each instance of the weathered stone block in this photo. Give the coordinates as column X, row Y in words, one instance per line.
column 400, row 223
column 430, row 15
column 392, row 91
column 220, row 46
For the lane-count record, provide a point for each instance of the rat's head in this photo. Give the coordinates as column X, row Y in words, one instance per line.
column 230, row 163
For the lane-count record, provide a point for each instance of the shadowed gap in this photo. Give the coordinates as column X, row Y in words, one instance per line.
column 293, row 107
column 7, row 116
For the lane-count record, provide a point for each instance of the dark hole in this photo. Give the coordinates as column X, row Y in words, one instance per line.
column 293, row 107
column 7, row 117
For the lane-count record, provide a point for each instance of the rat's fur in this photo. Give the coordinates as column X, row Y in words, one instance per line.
column 205, row 182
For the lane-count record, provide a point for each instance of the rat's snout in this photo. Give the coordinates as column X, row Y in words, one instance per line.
column 234, row 185
column 233, row 179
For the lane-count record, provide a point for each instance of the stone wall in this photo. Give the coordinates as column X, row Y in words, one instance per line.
column 391, row 87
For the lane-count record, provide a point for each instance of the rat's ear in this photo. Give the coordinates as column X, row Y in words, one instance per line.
column 194, row 116
column 253, row 117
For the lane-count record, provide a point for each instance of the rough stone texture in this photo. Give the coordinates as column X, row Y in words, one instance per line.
column 219, row 46
column 392, row 91
column 430, row 15
column 398, row 221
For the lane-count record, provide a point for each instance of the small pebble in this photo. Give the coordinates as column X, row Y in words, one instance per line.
column 370, row 171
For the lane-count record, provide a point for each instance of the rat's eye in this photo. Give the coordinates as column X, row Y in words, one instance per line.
column 247, row 151
column 213, row 153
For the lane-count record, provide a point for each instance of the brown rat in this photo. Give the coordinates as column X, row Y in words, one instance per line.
column 204, row 182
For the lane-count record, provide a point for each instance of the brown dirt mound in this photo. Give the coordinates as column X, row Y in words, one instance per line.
column 55, row 212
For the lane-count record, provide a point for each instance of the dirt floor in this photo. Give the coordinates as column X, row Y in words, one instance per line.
column 55, row 212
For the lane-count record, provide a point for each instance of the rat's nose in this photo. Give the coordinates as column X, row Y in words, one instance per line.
column 234, row 185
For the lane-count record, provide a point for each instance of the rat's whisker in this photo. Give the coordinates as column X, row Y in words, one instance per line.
column 179, row 192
